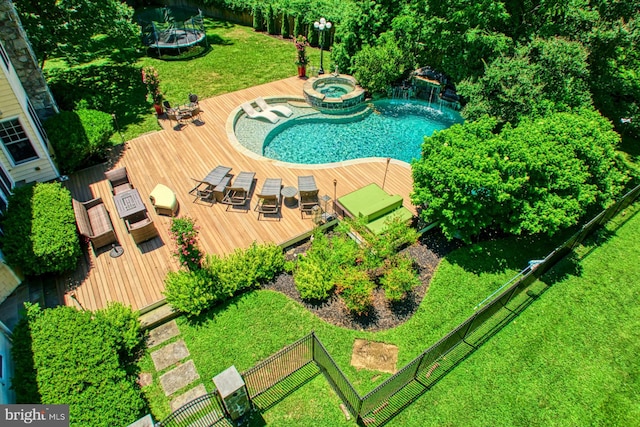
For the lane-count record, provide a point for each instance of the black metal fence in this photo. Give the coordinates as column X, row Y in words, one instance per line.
column 201, row 412
column 399, row 390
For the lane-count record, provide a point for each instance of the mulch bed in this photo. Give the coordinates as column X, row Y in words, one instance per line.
column 427, row 254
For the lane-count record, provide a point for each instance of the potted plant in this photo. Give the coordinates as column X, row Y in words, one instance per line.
column 152, row 82
column 301, row 58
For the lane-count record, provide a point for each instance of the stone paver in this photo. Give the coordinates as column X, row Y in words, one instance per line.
column 145, row 379
column 162, row 333
column 178, row 378
column 169, row 355
column 187, row 397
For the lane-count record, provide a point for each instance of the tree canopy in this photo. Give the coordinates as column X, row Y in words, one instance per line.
column 538, row 177
column 72, row 28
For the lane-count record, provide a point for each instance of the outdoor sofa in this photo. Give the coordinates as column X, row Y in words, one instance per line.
column 94, row 222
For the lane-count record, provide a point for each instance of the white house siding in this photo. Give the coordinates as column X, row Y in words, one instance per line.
column 41, row 169
column 9, row 280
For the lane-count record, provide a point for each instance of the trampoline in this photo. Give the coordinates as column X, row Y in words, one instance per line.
column 171, row 29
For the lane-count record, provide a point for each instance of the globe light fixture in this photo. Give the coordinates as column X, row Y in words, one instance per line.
column 321, row 26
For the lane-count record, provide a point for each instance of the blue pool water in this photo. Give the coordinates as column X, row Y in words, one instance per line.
column 395, row 129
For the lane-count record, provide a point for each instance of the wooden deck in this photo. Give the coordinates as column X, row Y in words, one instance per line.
column 172, row 157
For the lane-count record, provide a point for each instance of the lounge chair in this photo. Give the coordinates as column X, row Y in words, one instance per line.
column 240, row 191
column 269, row 197
column 278, row 109
column 253, row 114
column 308, row 194
column 119, row 180
column 204, row 188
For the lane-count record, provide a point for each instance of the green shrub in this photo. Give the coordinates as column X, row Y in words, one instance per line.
column 40, row 230
column 246, row 268
column 125, row 327
column 399, row 278
column 397, row 234
column 315, row 271
column 79, row 135
column 220, row 278
column 190, row 292
column 313, row 280
column 75, row 361
column 356, row 289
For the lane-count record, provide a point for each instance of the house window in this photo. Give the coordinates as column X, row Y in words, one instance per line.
column 36, row 120
column 16, row 142
column 5, row 189
column 5, row 57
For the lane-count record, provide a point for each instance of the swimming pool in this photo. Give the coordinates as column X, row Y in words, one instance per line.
column 394, row 129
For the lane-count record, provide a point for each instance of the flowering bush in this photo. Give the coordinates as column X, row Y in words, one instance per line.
column 152, row 82
column 184, row 232
column 301, row 48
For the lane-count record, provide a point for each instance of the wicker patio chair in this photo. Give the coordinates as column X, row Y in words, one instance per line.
column 119, row 180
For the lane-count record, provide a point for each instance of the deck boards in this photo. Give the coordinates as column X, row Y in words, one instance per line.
column 172, row 158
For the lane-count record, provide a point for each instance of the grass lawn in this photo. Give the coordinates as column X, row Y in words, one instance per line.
column 567, row 360
column 238, row 58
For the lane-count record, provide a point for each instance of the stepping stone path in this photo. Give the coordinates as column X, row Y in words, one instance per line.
column 163, row 333
column 179, row 377
column 182, row 373
column 169, row 355
column 187, row 397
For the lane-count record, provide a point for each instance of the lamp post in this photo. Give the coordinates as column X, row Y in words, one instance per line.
column 321, row 26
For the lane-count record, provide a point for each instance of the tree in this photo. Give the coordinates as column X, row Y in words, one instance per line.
column 539, row 177
column 70, row 28
column 271, row 21
column 379, row 66
column 258, row 18
column 543, row 76
column 286, row 33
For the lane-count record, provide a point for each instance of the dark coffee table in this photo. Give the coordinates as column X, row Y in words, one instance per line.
column 129, row 203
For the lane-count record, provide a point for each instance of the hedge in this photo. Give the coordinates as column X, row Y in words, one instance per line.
column 80, row 359
column 40, row 230
column 79, row 135
column 193, row 292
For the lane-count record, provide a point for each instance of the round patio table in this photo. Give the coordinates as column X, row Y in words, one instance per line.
column 289, row 194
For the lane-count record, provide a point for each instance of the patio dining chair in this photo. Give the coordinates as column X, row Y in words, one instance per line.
column 193, row 100
column 240, row 191
column 171, row 113
column 308, row 194
column 269, row 198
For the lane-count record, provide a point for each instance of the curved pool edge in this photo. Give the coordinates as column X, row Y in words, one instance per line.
column 231, row 136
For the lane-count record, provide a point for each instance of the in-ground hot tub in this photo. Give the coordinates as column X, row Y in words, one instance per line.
column 333, row 92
